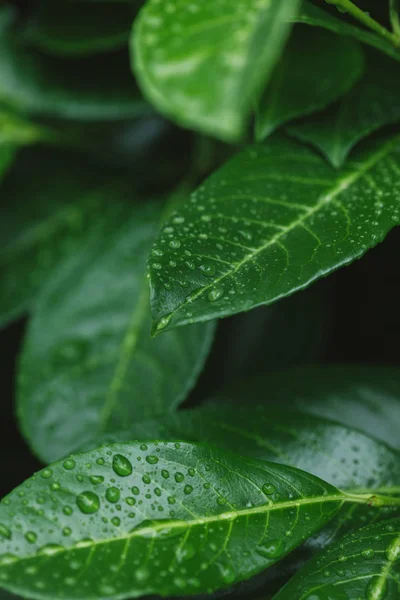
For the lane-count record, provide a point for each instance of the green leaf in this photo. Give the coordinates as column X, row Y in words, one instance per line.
column 73, row 29
column 315, row 16
column 305, row 81
column 42, row 85
column 191, row 519
column 203, row 64
column 367, row 398
column 88, row 362
column 7, row 154
column 342, row 456
column 371, row 104
column 47, row 204
column 268, row 223
column 365, row 564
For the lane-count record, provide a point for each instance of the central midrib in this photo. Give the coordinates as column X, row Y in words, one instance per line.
column 126, row 349
column 146, row 532
column 343, row 184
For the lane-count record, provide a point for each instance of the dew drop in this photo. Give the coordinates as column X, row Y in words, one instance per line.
column 188, row 489
column 215, row 294
column 96, row 479
column 135, row 490
column 368, row 553
column 100, row 461
column 152, row 459
column 146, row 479
column 207, row 269
column 31, row 537
column 116, row 521
column 113, row 494
column 46, row 473
column 121, row 465
column 268, row 489
column 165, row 474
column 69, row 464
column 88, row 502
column 174, row 244
column 5, row 532
column 179, row 477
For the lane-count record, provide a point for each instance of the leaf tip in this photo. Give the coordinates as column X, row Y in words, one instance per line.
column 160, row 325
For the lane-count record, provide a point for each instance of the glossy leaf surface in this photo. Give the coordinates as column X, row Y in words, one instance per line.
column 272, row 220
column 371, row 104
column 45, row 214
column 340, row 455
column 38, row 84
column 191, row 520
column 88, row 362
column 315, row 16
column 204, row 63
column 366, row 398
column 305, row 79
column 365, row 564
column 74, row 29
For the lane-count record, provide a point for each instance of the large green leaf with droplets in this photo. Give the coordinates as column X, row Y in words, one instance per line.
column 88, row 362
column 367, row 398
column 32, row 82
column 343, row 456
column 75, row 29
column 305, row 81
column 271, row 221
column 317, row 17
column 203, row 64
column 371, row 104
column 127, row 520
column 365, row 564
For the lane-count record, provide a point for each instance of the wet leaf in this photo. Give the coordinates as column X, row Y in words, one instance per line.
column 342, row 456
column 371, row 104
column 203, row 64
column 305, row 81
column 88, row 362
column 365, row 564
column 271, row 221
column 315, row 16
column 169, row 519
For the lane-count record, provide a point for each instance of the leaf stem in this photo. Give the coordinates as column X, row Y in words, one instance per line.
column 371, row 499
column 366, row 19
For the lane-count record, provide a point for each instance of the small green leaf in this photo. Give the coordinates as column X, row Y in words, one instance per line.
column 47, row 203
column 340, row 455
column 315, row 16
column 371, row 104
column 42, row 85
column 204, row 63
column 365, row 564
column 190, row 520
column 268, row 223
column 366, row 398
column 73, row 29
column 305, row 81
column 88, row 363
